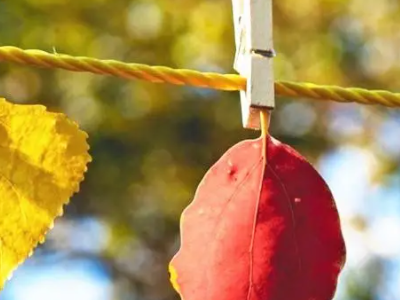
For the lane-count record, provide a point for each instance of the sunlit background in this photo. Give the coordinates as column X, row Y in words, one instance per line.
column 152, row 143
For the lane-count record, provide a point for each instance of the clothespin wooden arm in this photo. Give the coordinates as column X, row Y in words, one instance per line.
column 254, row 53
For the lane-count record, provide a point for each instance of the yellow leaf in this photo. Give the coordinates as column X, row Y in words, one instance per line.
column 43, row 157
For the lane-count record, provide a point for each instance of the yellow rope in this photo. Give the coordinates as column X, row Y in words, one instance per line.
column 157, row 74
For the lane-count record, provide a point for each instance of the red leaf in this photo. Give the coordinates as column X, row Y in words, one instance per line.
column 258, row 231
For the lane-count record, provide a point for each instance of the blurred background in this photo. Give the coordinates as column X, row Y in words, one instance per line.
column 152, row 143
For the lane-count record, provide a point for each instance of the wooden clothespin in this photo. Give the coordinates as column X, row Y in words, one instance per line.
column 254, row 53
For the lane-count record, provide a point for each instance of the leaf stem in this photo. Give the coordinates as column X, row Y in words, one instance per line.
column 265, row 116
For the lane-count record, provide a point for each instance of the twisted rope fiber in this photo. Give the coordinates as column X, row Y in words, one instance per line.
column 158, row 74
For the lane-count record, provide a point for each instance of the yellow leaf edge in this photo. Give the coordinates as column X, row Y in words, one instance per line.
column 87, row 159
column 173, row 273
column 174, row 278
